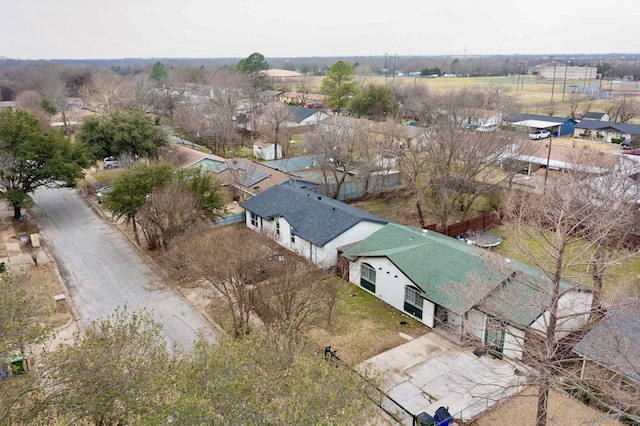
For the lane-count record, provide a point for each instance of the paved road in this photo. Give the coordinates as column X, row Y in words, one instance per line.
column 102, row 271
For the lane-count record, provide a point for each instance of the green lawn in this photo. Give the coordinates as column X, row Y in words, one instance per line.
column 621, row 277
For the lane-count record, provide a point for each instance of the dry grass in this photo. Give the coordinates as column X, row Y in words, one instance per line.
column 364, row 326
column 43, row 285
column 562, row 411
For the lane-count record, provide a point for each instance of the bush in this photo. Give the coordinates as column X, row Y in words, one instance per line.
column 616, row 140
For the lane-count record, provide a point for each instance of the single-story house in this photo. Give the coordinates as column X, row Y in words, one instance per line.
column 448, row 284
column 305, row 116
column 306, row 173
column 606, row 131
column 595, row 115
column 610, row 356
column 558, row 126
column 243, row 177
column 312, row 225
column 266, row 150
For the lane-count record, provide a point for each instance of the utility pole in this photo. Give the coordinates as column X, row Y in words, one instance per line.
column 393, row 79
column 385, row 69
column 564, row 82
column 546, row 170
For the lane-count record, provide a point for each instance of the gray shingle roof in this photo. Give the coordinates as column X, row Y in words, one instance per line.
column 300, row 114
column 594, row 115
column 632, row 129
column 614, row 341
column 315, row 218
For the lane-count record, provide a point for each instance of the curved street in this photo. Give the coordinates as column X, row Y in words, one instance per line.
column 102, row 271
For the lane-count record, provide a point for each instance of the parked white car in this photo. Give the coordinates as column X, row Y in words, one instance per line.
column 540, row 134
column 109, row 163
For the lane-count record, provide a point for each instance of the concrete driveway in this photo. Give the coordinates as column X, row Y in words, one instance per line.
column 429, row 372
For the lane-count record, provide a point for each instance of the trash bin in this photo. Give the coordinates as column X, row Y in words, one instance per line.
column 425, row 419
column 442, row 417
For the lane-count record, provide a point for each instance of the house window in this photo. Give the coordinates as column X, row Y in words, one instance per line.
column 277, row 228
column 254, row 220
column 293, row 237
column 413, row 301
column 368, row 277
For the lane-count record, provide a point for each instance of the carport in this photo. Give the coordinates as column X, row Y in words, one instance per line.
column 551, row 126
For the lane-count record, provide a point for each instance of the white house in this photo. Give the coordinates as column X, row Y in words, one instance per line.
column 446, row 283
column 312, row 225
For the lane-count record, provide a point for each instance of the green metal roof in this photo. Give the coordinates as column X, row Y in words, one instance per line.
column 443, row 267
column 432, row 262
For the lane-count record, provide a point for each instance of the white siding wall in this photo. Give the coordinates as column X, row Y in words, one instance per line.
column 475, row 324
column 390, row 284
column 513, row 343
column 325, row 256
column 573, row 313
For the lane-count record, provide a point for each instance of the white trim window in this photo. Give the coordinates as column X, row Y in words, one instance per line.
column 367, row 272
column 254, row 219
column 412, row 297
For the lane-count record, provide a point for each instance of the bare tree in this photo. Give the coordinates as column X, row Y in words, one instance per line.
column 574, row 101
column 274, row 126
column 622, row 109
column 288, row 299
column 336, row 146
column 168, row 211
column 571, row 234
column 31, row 101
column 227, row 262
column 105, row 92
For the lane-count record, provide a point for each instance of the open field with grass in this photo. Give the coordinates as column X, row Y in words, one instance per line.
column 534, row 96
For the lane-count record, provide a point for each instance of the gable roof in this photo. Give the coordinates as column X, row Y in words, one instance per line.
column 315, row 218
column 248, row 176
column 594, row 115
column 632, row 129
column 613, row 342
column 431, row 261
column 300, row 114
column 441, row 267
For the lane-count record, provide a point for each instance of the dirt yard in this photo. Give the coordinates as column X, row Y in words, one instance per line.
column 563, row 410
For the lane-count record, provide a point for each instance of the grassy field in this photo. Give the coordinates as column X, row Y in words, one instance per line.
column 532, row 95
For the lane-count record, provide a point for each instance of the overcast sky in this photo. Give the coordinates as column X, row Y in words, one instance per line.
column 106, row 29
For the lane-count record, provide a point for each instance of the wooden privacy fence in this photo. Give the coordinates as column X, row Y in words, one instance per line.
column 479, row 223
